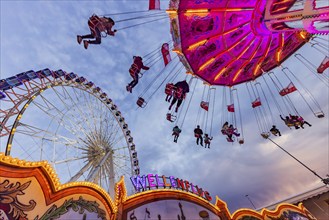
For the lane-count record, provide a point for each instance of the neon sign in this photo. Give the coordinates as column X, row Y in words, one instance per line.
column 151, row 181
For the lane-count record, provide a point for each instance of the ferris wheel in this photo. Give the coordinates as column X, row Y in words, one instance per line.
column 67, row 120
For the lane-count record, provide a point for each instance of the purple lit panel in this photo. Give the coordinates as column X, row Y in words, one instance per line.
column 262, row 48
column 236, row 36
column 291, row 44
column 199, row 27
column 243, row 47
column 215, row 67
column 253, row 47
column 204, row 52
column 200, row 4
column 236, row 19
column 269, row 61
column 241, row 3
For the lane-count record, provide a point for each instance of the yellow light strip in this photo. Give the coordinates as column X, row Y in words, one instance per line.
column 241, row 54
column 252, row 57
column 230, row 31
column 302, row 34
column 238, row 73
column 279, row 51
column 280, row 9
column 206, row 63
column 206, row 10
column 177, row 51
column 277, row 3
column 268, row 47
column 260, row 61
column 218, row 35
column 171, row 11
column 220, row 73
column 256, row 69
column 244, row 51
column 231, row 9
column 195, row 45
column 197, row 10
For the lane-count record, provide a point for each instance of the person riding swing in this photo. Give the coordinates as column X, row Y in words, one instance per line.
column 134, row 70
column 97, row 25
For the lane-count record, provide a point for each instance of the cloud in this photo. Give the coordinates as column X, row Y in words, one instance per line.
column 42, row 34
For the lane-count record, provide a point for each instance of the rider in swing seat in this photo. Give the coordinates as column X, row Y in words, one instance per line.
column 134, row 70
column 180, row 94
column 207, row 140
column 175, row 132
column 97, row 25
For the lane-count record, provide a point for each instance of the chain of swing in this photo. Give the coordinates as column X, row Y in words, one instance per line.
column 150, row 16
column 255, row 90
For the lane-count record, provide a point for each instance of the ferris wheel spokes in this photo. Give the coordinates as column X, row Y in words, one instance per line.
column 77, row 126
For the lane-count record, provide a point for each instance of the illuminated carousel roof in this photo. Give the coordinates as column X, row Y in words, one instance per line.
column 228, row 42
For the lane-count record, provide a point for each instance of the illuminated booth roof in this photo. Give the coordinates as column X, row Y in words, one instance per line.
column 31, row 190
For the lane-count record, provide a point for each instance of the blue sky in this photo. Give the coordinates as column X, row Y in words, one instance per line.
column 42, row 34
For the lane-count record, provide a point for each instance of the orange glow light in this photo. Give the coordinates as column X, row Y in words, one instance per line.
column 302, row 34
column 238, row 73
column 197, row 11
column 195, row 45
column 257, row 68
column 244, row 51
column 177, row 51
column 171, row 11
column 231, row 9
column 279, row 51
column 206, row 64
column 220, row 73
column 278, row 55
column 280, row 9
column 281, row 2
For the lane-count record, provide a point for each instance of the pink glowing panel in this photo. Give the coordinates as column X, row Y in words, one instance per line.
column 227, row 42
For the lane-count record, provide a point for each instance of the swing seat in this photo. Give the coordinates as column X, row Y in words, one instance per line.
column 265, row 135
column 289, row 124
column 229, row 140
column 80, row 80
column 89, row 84
column 241, row 141
column 295, row 123
column 170, row 117
column 97, row 89
column 319, row 115
column 103, row 95
column 170, row 88
column 224, row 132
column 141, row 102
column 197, row 135
column 204, row 105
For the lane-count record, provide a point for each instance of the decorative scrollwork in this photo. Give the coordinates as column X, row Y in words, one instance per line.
column 79, row 205
column 8, row 198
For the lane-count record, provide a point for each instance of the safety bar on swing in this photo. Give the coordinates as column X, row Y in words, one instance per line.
column 319, row 114
column 140, row 75
column 265, row 135
column 170, row 117
column 141, row 102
